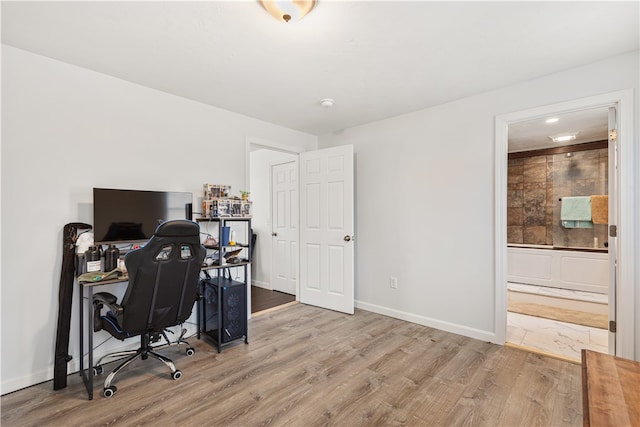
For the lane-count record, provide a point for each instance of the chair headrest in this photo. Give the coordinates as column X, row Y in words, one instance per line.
column 177, row 228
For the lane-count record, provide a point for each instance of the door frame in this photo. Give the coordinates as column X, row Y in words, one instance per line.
column 294, row 151
column 264, row 143
column 626, row 300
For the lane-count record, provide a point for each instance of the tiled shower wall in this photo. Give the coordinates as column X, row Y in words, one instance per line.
column 534, row 186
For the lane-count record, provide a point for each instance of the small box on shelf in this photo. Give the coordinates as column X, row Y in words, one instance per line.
column 216, row 202
column 215, row 191
column 226, row 208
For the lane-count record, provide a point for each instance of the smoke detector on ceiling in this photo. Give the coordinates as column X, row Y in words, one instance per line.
column 327, row 102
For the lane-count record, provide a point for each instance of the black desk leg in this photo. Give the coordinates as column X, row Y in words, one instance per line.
column 86, row 374
column 248, row 291
column 90, row 332
column 81, row 327
column 199, row 308
column 220, row 319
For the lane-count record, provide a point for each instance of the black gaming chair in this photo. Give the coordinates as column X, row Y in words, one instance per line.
column 163, row 286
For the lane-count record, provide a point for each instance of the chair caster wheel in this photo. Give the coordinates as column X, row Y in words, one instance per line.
column 191, row 351
column 176, row 375
column 97, row 370
column 109, row 391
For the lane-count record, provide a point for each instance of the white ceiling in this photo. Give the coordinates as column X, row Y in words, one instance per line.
column 376, row 59
column 588, row 125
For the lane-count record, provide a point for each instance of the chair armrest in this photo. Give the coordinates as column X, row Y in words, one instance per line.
column 109, row 300
column 99, row 300
column 105, row 298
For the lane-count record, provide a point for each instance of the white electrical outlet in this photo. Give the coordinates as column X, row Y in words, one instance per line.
column 393, row 282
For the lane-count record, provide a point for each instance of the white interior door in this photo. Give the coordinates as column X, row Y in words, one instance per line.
column 284, row 220
column 326, row 228
column 613, row 215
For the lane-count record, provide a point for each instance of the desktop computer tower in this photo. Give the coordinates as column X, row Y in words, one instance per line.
column 224, row 309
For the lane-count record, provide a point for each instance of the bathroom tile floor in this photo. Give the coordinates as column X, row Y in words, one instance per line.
column 551, row 336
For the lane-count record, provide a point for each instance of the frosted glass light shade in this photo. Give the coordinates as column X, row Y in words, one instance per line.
column 288, row 10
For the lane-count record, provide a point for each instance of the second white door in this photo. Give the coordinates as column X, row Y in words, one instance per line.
column 284, row 219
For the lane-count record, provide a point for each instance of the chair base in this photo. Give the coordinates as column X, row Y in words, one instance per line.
column 143, row 353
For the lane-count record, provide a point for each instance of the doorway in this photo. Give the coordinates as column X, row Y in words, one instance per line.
column 323, row 259
column 558, row 269
column 621, row 210
column 263, row 156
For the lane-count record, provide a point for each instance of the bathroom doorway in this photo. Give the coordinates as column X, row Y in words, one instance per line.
column 558, row 267
column 621, row 251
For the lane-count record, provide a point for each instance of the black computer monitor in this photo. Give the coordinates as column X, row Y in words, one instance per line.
column 133, row 215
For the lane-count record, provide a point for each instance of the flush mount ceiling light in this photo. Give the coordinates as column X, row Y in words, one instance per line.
column 288, row 10
column 552, row 120
column 564, row 137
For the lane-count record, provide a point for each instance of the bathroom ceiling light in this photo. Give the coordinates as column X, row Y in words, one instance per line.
column 564, row 138
column 289, row 10
column 551, row 120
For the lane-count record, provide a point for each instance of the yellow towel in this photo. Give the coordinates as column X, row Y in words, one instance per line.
column 600, row 209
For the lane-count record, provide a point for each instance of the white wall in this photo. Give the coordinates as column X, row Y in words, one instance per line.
column 425, row 198
column 260, row 181
column 66, row 130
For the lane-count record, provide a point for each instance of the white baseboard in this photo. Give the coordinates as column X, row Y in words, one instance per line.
column 14, row 384
column 73, row 367
column 427, row 321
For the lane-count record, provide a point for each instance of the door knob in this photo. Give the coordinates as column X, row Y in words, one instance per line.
column 274, row 234
column 347, row 238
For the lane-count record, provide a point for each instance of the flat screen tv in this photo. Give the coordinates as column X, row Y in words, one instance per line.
column 132, row 215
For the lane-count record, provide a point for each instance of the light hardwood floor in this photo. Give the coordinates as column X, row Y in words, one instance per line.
column 305, row 366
